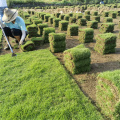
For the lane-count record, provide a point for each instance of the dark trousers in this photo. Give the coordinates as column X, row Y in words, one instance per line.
column 12, row 32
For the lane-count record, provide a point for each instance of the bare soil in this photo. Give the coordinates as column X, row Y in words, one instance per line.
column 99, row 63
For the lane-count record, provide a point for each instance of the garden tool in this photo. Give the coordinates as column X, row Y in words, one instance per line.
column 13, row 54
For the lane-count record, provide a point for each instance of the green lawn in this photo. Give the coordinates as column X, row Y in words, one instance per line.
column 34, row 86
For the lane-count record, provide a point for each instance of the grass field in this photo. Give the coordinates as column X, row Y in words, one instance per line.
column 34, row 86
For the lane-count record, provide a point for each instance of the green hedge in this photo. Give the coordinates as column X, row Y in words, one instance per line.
column 72, row 30
column 46, row 32
column 57, row 42
column 77, row 59
column 86, row 35
column 105, row 43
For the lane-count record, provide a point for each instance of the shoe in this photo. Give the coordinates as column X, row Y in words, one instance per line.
column 6, row 47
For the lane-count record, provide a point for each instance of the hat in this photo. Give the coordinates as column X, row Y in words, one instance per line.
column 9, row 15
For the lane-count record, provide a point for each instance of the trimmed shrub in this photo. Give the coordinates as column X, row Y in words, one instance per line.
column 28, row 46
column 86, row 35
column 108, row 93
column 56, row 22
column 57, row 42
column 77, row 60
column 106, row 27
column 72, row 20
column 82, row 22
column 92, row 24
column 40, row 28
column 72, row 30
column 46, row 32
column 63, row 25
column 46, row 17
column 97, row 18
column 108, row 19
column 105, row 43
column 32, row 29
column 37, row 40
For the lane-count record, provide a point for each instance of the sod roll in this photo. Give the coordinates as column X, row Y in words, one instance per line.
column 28, row 46
column 86, row 35
column 40, row 28
column 105, row 43
column 108, row 94
column 77, row 59
column 37, row 41
column 46, row 32
column 57, row 42
column 72, row 30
